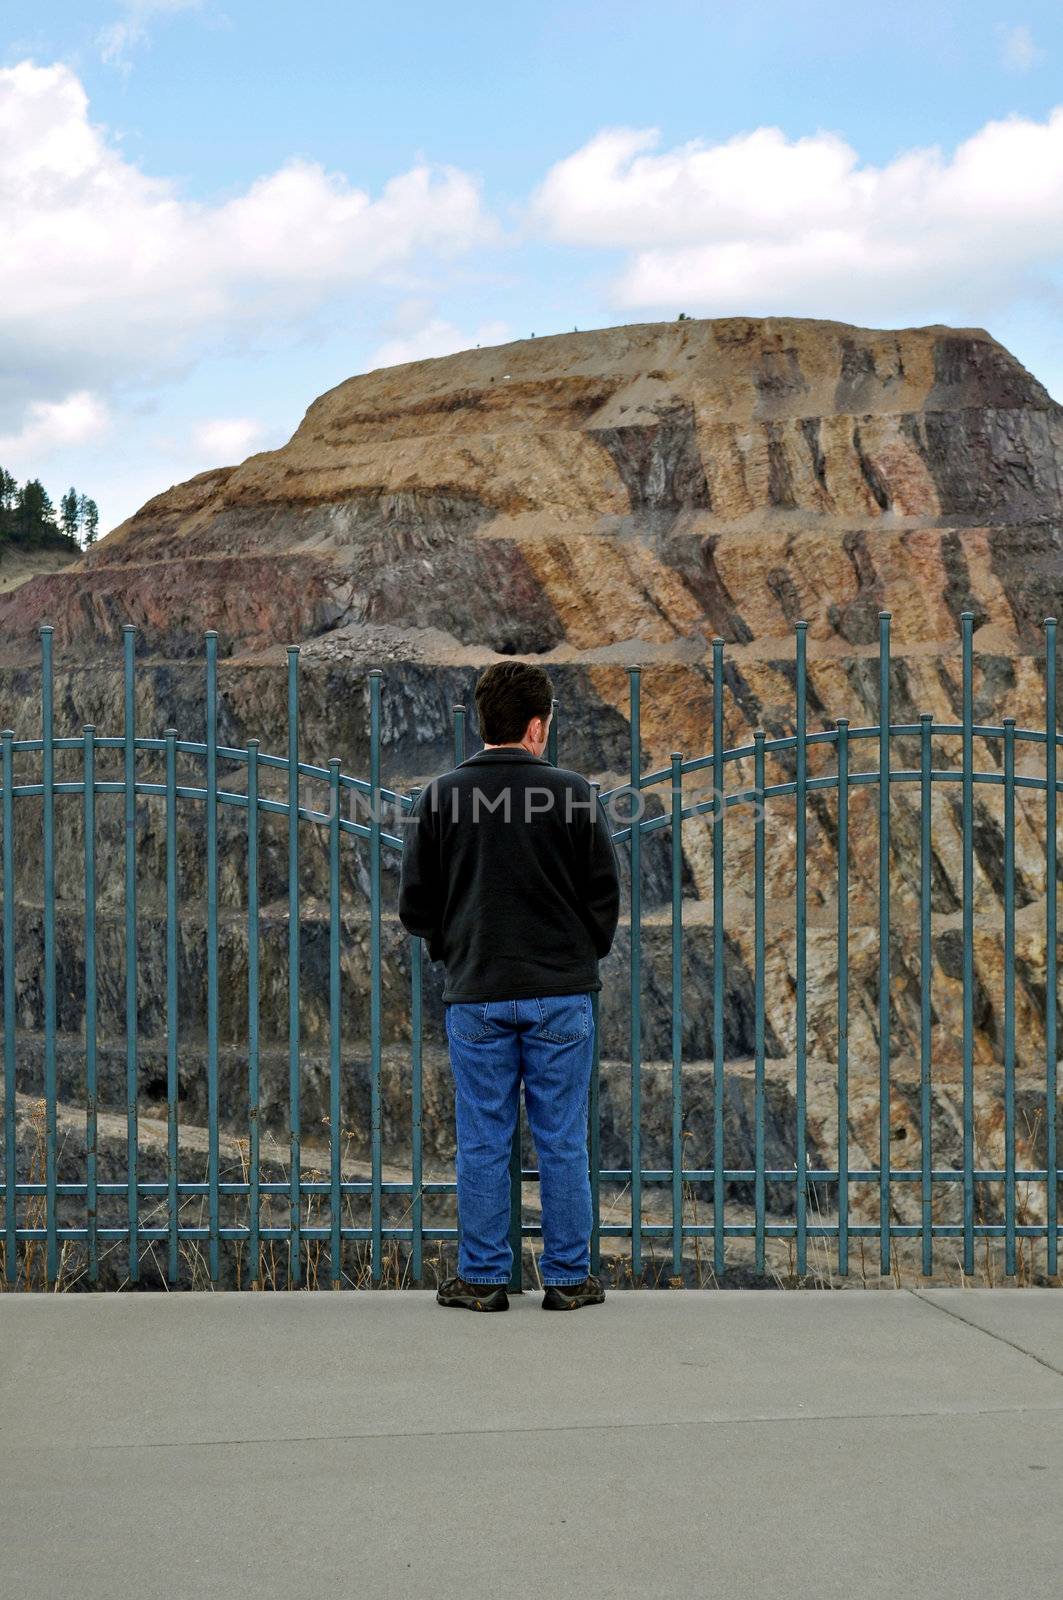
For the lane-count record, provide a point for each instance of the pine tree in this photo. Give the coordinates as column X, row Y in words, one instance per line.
column 89, row 517
column 34, row 511
column 69, row 513
column 8, row 491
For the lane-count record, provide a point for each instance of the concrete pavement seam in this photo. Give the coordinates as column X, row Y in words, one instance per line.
column 947, row 1311
column 566, row 1427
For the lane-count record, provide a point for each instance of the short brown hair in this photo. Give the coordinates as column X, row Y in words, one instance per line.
column 508, row 695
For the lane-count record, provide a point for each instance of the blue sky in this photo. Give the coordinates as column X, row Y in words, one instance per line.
column 217, row 210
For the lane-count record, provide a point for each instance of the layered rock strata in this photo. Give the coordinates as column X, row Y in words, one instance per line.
column 594, row 501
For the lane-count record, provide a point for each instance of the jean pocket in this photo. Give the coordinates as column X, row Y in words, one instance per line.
column 467, row 1022
column 564, row 1018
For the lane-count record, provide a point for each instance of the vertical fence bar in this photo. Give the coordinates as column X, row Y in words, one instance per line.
column 718, row 1070
column 375, row 678
column 967, row 625
column 516, row 1210
column 295, row 1264
column 884, row 941
column 758, row 997
column 1009, row 996
column 10, row 1150
column 214, row 1243
column 253, row 1134
column 50, row 1088
column 335, row 1218
column 1051, row 986
column 458, row 717
column 801, row 933
column 416, row 1174
column 925, row 978
column 91, row 1087
column 516, row 1158
column 594, row 1143
column 635, row 970
column 130, row 797
column 416, row 1092
column 843, row 995
column 677, row 1016
column 172, row 1198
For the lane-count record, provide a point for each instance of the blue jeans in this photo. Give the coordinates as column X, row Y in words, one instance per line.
column 549, row 1043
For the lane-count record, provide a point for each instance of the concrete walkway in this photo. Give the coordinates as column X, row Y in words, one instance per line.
column 885, row 1443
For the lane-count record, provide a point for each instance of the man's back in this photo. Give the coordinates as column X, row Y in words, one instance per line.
column 509, row 873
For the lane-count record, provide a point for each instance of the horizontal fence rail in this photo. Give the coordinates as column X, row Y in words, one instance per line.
column 770, row 795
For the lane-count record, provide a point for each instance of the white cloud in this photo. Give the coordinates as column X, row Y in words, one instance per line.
column 76, row 420
column 763, row 223
column 109, row 274
column 1018, row 51
column 434, row 337
column 613, row 192
column 224, row 441
column 131, row 28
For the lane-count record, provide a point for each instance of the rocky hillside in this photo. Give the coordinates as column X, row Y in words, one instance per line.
column 604, row 496
column 595, row 500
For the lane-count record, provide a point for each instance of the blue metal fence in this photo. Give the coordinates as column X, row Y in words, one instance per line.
column 351, row 813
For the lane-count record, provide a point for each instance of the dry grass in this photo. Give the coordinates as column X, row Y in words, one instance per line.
column 396, row 1266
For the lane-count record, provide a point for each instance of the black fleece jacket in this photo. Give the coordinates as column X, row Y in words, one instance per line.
column 509, row 873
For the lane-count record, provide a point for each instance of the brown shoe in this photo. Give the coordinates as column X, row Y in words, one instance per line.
column 571, row 1296
column 472, row 1296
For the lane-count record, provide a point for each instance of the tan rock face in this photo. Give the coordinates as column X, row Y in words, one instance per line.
column 598, row 499
column 653, row 482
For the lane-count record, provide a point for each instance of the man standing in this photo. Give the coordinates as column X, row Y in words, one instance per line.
column 509, row 873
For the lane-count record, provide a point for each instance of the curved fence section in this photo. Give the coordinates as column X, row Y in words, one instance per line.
column 840, row 946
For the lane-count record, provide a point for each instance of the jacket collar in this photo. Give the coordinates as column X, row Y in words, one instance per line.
column 504, row 753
